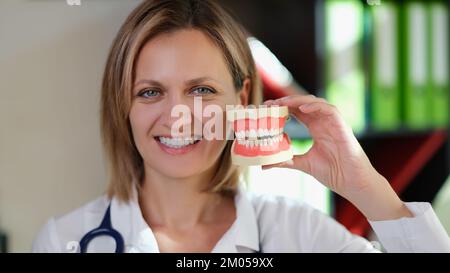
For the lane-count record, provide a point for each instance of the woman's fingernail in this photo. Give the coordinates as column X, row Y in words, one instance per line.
column 303, row 107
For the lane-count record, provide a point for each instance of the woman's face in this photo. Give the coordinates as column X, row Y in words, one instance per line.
column 174, row 69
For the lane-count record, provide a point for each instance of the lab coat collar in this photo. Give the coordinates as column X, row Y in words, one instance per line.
column 128, row 220
column 247, row 231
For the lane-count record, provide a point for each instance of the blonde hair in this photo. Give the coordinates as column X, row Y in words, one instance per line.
column 149, row 19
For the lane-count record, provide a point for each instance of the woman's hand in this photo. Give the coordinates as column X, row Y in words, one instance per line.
column 338, row 161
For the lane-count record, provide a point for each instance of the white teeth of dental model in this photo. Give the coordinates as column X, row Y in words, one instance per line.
column 259, row 133
column 260, row 142
column 176, row 142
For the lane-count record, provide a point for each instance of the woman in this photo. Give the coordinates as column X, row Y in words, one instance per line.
column 169, row 196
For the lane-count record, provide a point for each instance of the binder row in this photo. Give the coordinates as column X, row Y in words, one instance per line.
column 387, row 65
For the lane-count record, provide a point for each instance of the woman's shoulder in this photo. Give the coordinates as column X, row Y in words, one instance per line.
column 62, row 233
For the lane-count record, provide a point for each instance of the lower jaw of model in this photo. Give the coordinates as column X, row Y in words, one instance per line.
column 260, row 139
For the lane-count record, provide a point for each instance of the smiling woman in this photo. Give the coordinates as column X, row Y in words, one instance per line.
column 182, row 194
column 200, row 52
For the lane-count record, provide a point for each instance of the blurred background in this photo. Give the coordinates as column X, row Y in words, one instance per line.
column 385, row 64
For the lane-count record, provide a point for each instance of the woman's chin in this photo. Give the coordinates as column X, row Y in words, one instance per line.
column 175, row 170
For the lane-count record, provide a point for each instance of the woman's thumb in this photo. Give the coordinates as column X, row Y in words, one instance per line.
column 298, row 162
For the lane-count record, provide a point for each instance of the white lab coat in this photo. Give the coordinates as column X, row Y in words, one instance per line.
column 263, row 223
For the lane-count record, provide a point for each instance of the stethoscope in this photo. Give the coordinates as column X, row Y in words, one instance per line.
column 105, row 229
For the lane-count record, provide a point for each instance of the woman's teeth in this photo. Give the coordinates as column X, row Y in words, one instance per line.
column 177, row 142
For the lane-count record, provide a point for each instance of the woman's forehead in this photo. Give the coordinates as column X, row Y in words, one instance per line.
column 186, row 54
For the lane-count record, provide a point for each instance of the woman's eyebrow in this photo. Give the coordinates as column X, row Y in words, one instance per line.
column 200, row 80
column 188, row 82
column 148, row 81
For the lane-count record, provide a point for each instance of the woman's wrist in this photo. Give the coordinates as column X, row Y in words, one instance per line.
column 379, row 201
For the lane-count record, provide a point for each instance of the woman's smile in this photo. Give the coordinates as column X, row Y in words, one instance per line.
column 177, row 145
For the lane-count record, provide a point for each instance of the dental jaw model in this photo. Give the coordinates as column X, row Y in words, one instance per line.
column 260, row 139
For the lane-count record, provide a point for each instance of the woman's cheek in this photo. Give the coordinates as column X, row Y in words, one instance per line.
column 140, row 121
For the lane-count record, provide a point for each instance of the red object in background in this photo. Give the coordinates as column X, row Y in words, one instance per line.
column 399, row 160
column 272, row 90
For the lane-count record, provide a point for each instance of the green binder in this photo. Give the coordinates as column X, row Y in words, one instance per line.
column 384, row 59
column 344, row 74
column 439, row 66
column 416, row 85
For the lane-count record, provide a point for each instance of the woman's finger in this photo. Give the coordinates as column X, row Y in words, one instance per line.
column 313, row 112
column 294, row 101
column 297, row 100
column 321, row 107
column 268, row 102
column 285, row 164
column 298, row 162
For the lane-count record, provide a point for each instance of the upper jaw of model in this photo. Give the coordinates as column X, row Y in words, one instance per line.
column 260, row 139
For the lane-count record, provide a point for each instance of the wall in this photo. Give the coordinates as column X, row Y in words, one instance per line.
column 52, row 57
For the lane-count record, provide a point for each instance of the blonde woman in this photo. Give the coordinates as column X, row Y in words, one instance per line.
column 170, row 197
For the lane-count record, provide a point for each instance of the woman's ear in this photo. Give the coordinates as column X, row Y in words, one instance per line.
column 245, row 92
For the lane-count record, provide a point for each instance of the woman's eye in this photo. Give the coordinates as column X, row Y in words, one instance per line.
column 202, row 91
column 149, row 93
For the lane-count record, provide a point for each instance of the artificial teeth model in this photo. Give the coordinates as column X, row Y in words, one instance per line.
column 260, row 139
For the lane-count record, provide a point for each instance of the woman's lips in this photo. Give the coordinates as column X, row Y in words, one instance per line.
column 177, row 146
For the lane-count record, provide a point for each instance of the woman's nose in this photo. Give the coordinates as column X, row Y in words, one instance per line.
column 177, row 112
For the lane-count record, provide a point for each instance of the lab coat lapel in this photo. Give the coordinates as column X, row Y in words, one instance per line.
column 247, row 231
